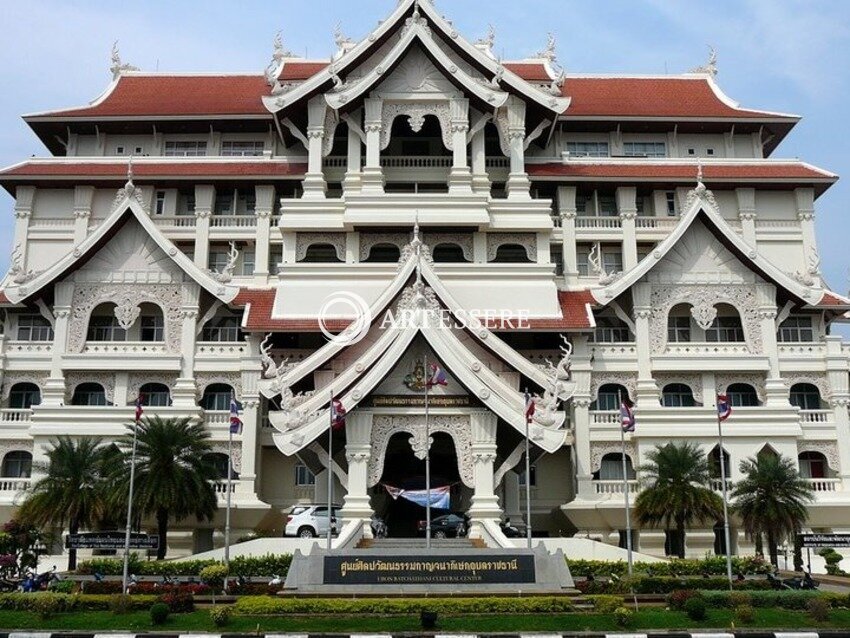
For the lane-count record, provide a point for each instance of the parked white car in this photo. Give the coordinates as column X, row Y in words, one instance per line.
column 310, row 521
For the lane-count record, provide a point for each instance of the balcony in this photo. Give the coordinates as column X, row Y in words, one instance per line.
column 717, row 485
column 113, row 355
column 13, row 416
column 14, row 485
column 816, row 416
column 604, row 417
column 825, row 484
column 233, row 221
column 180, row 221
column 598, row 223
column 616, row 486
column 125, row 347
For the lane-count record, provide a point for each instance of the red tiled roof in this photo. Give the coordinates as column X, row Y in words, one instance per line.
column 830, row 299
column 529, row 71
column 261, row 301
column 162, row 169
column 659, row 170
column 295, row 70
column 3, row 298
column 164, row 95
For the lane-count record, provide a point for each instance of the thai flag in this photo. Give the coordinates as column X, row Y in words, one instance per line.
column 438, row 377
column 337, row 415
column 235, row 421
column 627, row 416
column 139, row 408
column 724, row 407
column 529, row 407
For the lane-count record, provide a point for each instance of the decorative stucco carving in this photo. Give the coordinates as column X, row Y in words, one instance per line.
column 693, row 381
column 128, row 297
column 755, row 380
column 303, row 241
column 828, row 448
column 599, row 449
column 818, row 379
column 105, row 379
column 14, row 445
column 625, row 379
column 368, row 240
column 458, row 427
column 236, row 455
column 416, row 112
column 137, row 379
column 526, row 240
column 463, row 240
column 11, row 379
column 703, row 299
column 233, row 379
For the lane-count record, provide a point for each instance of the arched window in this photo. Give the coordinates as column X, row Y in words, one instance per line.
column 714, row 462
column 220, row 462
column 677, row 395
column 448, row 253
column 813, row 465
column 383, row 254
column 609, row 396
column 611, row 468
column 217, row 397
column 679, row 324
column 104, row 326
column 796, row 329
column 89, row 394
column 511, row 254
column 726, row 327
column 23, row 396
column 151, row 323
column 17, row 464
column 805, row 396
column 155, row 395
column 321, row 254
column 742, row 395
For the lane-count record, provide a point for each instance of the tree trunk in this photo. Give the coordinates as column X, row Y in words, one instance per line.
column 798, row 554
column 759, row 547
column 773, row 549
column 73, row 528
column 680, row 533
column 162, row 530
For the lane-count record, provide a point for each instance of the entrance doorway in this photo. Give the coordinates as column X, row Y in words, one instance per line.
column 404, row 471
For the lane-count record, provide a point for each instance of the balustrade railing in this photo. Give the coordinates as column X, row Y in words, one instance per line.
column 707, row 348
column 815, row 416
column 37, row 224
column 773, row 224
column 233, row 221
column 598, row 223
column 181, row 221
column 220, row 487
column 604, row 417
column 656, row 223
column 15, row 415
column 825, row 484
column 125, row 347
column 14, row 484
column 615, row 486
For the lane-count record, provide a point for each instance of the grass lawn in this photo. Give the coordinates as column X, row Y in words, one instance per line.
column 200, row 621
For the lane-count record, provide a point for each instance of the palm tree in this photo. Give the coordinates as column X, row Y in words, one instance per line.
column 771, row 500
column 72, row 490
column 674, row 490
column 173, row 475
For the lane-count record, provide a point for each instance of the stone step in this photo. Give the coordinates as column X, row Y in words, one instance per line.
column 419, row 543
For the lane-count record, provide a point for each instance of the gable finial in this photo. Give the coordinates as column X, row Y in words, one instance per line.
column 117, row 67
column 710, row 67
column 488, row 41
column 699, row 172
column 130, row 171
column 550, row 52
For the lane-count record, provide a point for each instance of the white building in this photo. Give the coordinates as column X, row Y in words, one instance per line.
column 642, row 218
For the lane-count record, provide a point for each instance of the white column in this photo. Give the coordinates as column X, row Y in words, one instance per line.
column 518, row 185
column 582, row 368
column 204, row 205
column 747, row 213
column 247, row 484
column 513, row 504
column 358, row 451
column 184, row 393
column 460, row 177
column 478, row 150
column 315, row 186
column 776, row 392
column 352, row 182
column 83, row 196
column 373, row 176
column 567, row 212
column 836, row 365
column 485, row 505
column 265, row 206
column 627, row 205
column 53, row 393
column 647, row 391
column 24, row 202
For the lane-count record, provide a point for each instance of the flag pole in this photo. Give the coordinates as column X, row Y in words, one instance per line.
column 330, row 469
column 725, row 497
column 427, row 462
column 527, row 480
column 227, row 509
column 130, row 503
column 626, row 490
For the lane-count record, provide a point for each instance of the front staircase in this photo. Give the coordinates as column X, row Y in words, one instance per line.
column 419, row 543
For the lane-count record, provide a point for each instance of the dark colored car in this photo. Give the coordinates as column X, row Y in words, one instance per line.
column 446, row 526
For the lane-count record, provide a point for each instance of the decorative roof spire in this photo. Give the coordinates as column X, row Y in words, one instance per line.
column 117, row 68
column 274, row 67
column 700, row 191
column 488, row 41
column 550, row 52
column 710, row 68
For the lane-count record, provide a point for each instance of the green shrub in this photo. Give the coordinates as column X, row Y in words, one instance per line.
column 832, row 558
column 267, row 605
column 623, row 616
column 677, row 598
column 47, row 604
column 606, row 604
column 75, row 602
column 268, row 565
column 159, row 613
column 794, row 600
column 220, row 616
column 745, row 614
column 713, row 566
column 63, row 587
column 740, row 599
column 178, row 601
column 818, row 609
column 120, row 603
column 695, row 608
column 214, row 575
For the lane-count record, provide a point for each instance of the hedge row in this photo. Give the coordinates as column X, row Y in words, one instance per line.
column 71, row 602
column 714, row 566
column 666, row 585
column 267, row 606
column 797, row 600
column 269, row 565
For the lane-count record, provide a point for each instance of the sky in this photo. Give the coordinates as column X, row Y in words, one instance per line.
column 783, row 55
